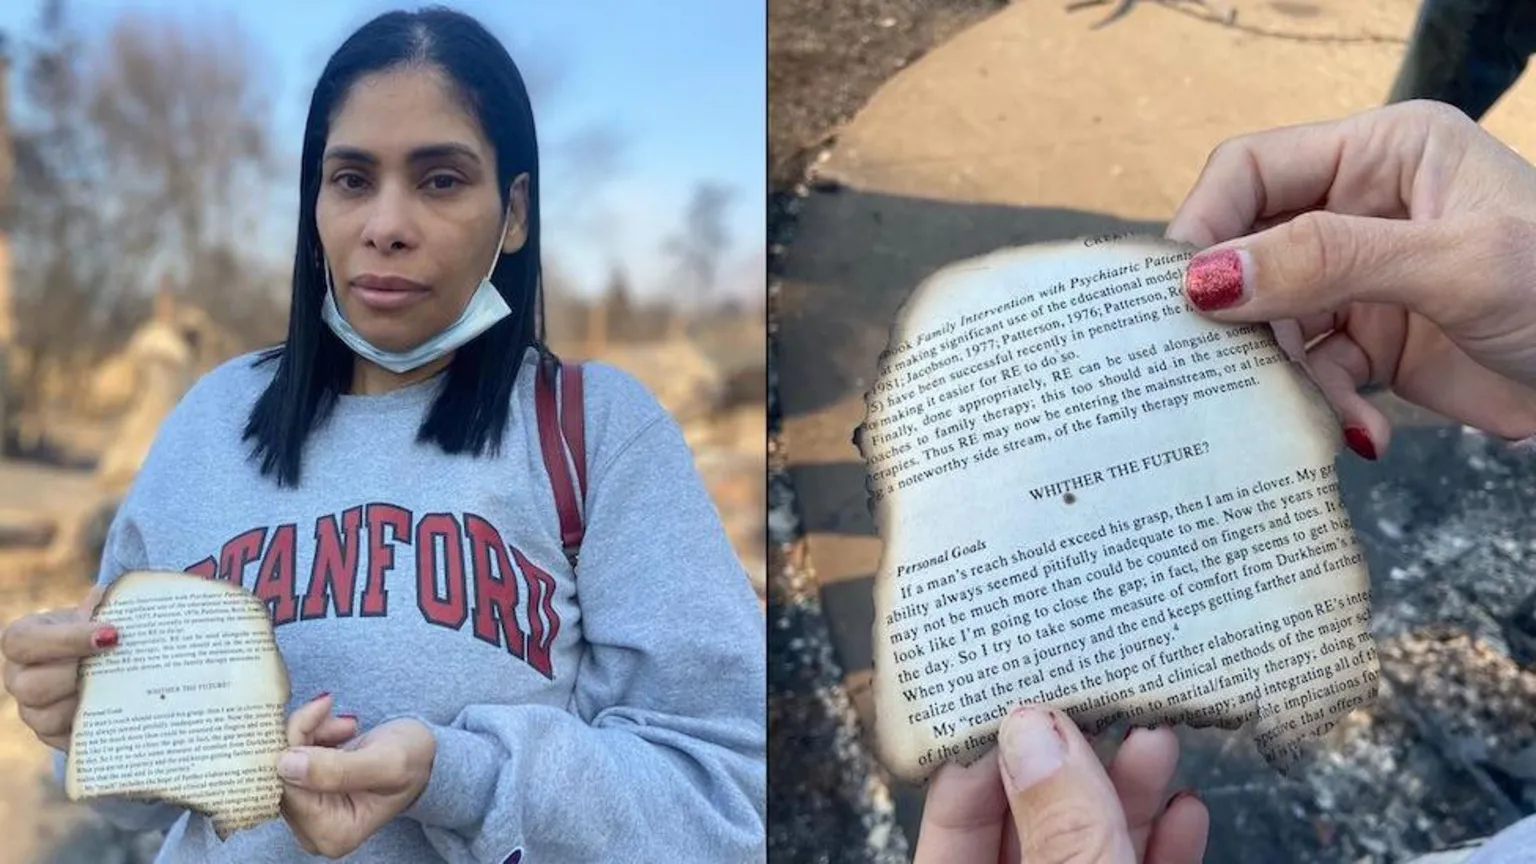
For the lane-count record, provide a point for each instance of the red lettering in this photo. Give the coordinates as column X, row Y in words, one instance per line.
column 208, row 568
column 445, row 611
column 495, row 592
column 442, row 584
column 333, row 577
column 381, row 555
column 238, row 552
column 275, row 581
column 543, row 623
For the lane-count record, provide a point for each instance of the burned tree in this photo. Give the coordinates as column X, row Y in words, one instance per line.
column 699, row 248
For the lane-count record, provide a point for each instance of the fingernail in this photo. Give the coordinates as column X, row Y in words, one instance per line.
column 352, row 717
column 105, row 636
column 1359, row 441
column 321, row 696
column 1183, row 793
column 1032, row 748
column 1215, row 280
column 292, row 765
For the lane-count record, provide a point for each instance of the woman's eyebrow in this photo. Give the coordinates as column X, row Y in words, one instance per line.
column 434, row 152
column 425, row 153
column 349, row 154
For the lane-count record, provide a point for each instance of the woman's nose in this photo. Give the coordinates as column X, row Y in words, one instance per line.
column 390, row 226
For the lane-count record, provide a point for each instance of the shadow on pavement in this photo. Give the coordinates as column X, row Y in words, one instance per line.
column 1443, row 519
column 858, row 255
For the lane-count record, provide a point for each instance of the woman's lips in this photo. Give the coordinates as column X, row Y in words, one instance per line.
column 387, row 293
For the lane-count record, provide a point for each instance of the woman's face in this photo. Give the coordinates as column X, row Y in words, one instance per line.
column 408, row 212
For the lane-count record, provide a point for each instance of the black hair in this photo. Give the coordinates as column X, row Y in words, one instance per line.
column 314, row 367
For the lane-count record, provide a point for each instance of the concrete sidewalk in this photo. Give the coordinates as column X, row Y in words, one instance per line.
column 1031, row 126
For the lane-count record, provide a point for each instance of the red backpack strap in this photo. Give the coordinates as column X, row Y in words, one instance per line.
column 563, row 443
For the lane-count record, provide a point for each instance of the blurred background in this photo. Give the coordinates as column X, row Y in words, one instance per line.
column 148, row 188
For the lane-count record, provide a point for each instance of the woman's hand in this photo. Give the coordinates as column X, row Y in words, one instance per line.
column 335, row 799
column 42, row 665
column 1401, row 239
column 1065, row 806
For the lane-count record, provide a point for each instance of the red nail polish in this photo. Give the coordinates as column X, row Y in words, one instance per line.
column 321, row 696
column 347, row 716
column 1359, row 441
column 105, row 636
column 1215, row 281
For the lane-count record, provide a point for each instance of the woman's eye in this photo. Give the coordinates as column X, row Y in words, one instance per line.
column 350, row 182
column 443, row 182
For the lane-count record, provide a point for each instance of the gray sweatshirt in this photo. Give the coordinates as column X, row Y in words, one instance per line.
column 614, row 715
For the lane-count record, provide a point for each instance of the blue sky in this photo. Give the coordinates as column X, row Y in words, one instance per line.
column 681, row 82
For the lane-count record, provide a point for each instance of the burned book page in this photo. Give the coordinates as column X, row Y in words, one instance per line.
column 1091, row 497
column 189, row 707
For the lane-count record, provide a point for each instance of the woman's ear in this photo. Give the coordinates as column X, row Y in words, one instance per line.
column 517, row 218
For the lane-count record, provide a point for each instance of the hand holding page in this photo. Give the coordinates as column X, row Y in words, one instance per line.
column 1091, row 497
column 189, row 707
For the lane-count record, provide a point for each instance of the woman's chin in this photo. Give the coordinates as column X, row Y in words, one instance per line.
column 391, row 339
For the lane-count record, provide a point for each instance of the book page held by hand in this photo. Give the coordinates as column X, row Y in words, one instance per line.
column 1093, row 498
column 189, row 707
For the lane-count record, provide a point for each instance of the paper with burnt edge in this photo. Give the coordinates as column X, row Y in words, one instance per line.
column 1091, row 497
column 189, row 707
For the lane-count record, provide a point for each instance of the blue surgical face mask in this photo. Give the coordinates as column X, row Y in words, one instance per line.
column 486, row 307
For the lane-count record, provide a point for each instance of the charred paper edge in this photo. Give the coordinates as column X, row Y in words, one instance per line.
column 222, row 827
column 887, row 751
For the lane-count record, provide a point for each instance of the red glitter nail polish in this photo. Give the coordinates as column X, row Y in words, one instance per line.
column 1215, row 281
column 105, row 636
column 1359, row 441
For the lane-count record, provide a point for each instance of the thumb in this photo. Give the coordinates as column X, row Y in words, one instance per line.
column 1318, row 262
column 1063, row 803
column 88, row 604
column 329, row 770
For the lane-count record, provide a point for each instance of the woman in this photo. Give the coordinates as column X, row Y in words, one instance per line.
column 1399, row 246
column 463, row 691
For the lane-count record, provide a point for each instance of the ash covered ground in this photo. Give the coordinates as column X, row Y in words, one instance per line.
column 1446, row 755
